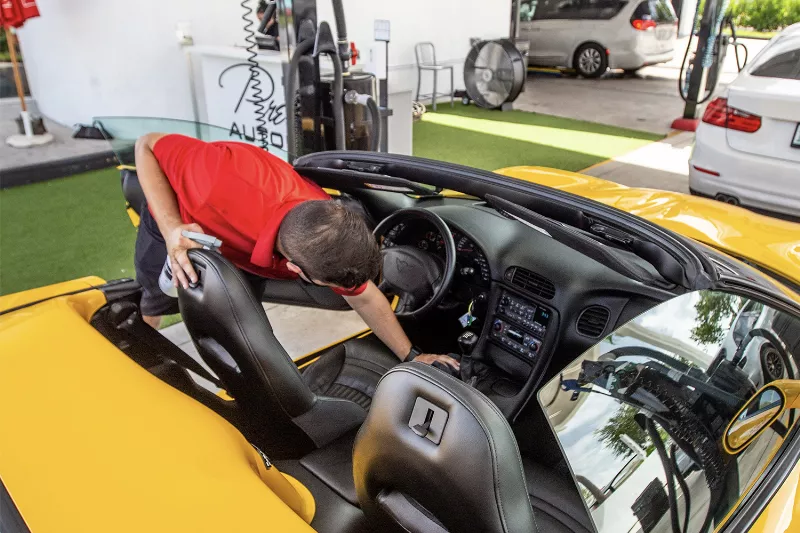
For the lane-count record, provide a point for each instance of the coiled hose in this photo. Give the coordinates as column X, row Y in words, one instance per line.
column 254, row 82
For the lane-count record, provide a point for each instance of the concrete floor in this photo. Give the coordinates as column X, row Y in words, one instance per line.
column 659, row 165
column 300, row 330
column 647, row 101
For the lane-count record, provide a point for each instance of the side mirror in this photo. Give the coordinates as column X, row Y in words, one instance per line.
column 760, row 412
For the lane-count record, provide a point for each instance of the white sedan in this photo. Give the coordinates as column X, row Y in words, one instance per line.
column 747, row 147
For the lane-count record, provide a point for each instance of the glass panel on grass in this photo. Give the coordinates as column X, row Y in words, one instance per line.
column 123, row 132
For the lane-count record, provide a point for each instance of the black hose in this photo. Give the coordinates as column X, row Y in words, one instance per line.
column 300, row 50
column 652, row 432
column 341, row 33
column 375, row 113
column 269, row 12
column 685, row 98
column 740, row 64
column 338, row 103
column 687, row 498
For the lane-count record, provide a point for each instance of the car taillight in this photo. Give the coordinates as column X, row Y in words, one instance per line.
column 719, row 113
column 642, row 25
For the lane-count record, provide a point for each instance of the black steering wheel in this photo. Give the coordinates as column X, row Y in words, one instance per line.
column 416, row 276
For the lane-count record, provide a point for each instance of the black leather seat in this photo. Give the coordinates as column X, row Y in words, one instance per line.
column 351, row 370
column 557, row 505
column 286, row 412
column 436, row 455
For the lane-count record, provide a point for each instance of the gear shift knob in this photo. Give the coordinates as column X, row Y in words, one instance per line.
column 467, row 342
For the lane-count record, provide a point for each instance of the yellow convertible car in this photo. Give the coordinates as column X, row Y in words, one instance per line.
column 616, row 376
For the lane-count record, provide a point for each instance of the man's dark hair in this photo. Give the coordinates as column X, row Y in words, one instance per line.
column 262, row 7
column 331, row 243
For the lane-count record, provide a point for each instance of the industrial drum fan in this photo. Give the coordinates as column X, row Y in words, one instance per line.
column 494, row 73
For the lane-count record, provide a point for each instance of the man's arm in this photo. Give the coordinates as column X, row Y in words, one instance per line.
column 373, row 307
column 163, row 205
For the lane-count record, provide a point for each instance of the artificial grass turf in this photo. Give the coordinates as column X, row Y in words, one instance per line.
column 489, row 139
column 64, row 229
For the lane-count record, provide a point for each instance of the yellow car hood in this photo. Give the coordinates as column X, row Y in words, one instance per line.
column 771, row 243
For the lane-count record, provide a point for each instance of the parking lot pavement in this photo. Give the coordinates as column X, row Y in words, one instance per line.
column 646, row 101
column 660, row 165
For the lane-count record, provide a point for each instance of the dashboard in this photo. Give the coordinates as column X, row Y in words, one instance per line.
column 471, row 264
column 532, row 298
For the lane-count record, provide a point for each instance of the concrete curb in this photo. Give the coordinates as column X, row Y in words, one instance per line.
column 25, row 175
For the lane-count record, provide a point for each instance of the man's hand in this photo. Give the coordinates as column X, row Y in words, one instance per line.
column 429, row 359
column 177, row 246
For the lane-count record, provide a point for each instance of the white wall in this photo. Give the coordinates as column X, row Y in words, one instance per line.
column 86, row 58
column 448, row 24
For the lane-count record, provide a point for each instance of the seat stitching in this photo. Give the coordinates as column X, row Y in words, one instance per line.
column 411, row 369
column 366, row 396
column 372, row 363
column 349, row 355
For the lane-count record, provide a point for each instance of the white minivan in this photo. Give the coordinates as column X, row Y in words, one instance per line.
column 592, row 36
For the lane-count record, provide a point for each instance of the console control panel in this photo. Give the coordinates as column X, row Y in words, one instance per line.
column 519, row 326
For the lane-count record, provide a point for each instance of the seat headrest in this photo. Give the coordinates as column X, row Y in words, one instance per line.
column 436, row 454
column 222, row 301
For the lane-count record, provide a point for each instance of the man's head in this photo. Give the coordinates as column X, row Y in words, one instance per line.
column 330, row 244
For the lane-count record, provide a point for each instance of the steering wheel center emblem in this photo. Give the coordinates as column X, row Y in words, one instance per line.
column 402, row 265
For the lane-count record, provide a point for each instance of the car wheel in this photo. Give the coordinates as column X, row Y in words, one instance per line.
column 591, row 60
column 772, row 364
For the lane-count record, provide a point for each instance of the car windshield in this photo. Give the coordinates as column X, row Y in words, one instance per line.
column 640, row 416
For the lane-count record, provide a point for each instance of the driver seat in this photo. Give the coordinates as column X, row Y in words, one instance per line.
column 286, row 412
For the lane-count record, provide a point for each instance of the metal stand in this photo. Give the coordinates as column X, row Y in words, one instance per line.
column 383, row 102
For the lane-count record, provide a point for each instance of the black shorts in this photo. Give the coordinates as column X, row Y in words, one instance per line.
column 149, row 257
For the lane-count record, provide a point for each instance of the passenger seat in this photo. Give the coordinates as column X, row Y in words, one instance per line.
column 556, row 502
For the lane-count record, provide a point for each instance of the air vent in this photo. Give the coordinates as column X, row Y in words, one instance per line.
column 593, row 321
column 531, row 282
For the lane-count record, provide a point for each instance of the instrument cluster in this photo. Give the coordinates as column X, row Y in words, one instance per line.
column 471, row 264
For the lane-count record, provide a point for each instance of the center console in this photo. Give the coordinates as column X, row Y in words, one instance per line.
column 519, row 326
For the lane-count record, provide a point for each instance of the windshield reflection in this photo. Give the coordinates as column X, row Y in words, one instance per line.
column 641, row 415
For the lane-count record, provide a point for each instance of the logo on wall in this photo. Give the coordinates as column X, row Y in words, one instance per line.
column 244, row 126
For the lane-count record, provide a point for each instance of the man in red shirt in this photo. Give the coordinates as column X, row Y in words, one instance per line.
column 273, row 224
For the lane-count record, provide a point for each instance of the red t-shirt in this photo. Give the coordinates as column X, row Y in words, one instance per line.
column 240, row 194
